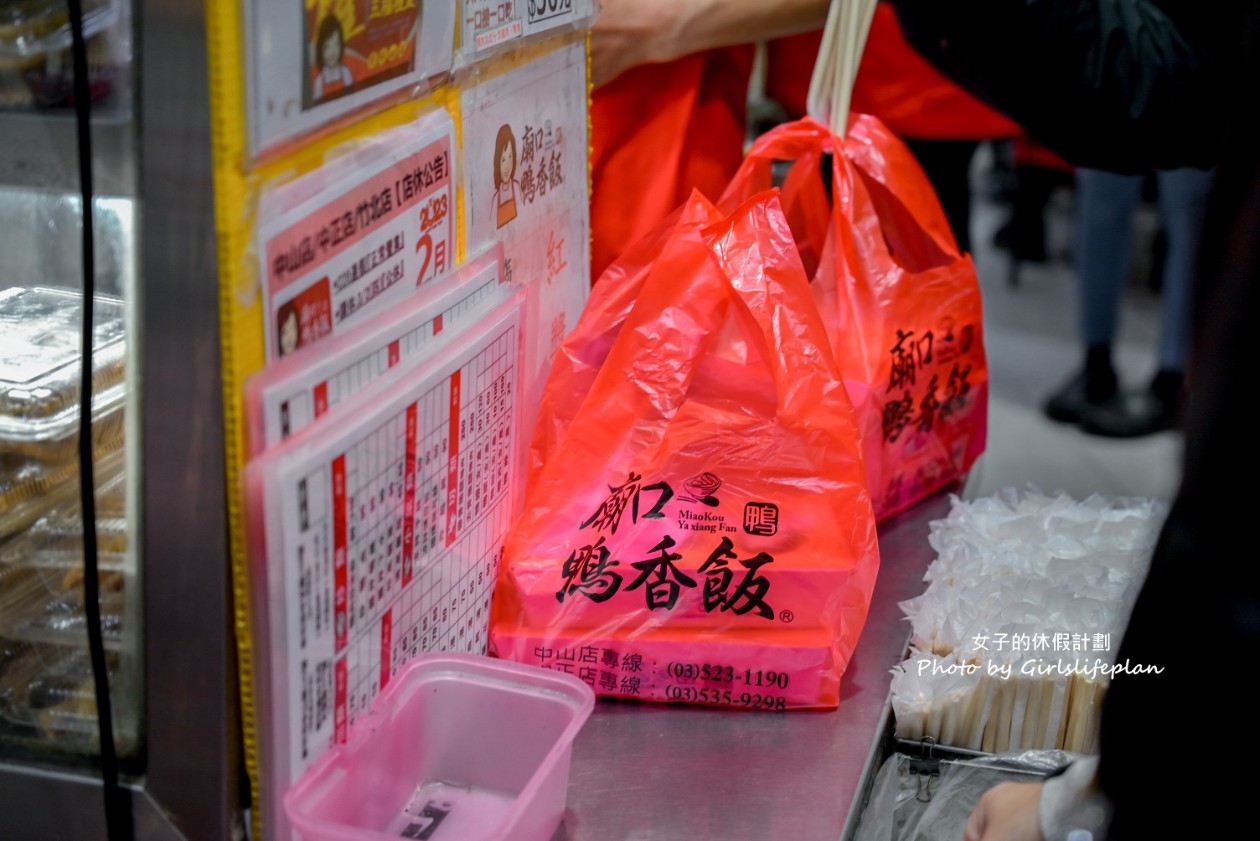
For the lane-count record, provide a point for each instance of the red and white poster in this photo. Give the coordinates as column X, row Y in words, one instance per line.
column 310, row 62
column 361, row 238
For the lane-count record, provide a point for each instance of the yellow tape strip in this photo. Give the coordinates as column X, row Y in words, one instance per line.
column 456, row 108
column 227, row 131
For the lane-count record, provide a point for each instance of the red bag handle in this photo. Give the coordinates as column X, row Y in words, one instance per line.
column 883, row 162
column 879, row 154
column 805, row 200
column 802, row 140
column 879, row 237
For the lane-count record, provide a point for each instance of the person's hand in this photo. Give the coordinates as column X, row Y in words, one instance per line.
column 633, row 32
column 1006, row 812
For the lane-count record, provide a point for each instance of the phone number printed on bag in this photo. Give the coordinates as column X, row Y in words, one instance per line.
column 727, row 697
column 713, row 673
column 612, row 672
column 913, row 356
column 591, row 571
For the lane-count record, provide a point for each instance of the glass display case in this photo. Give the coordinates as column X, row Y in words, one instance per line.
column 156, row 432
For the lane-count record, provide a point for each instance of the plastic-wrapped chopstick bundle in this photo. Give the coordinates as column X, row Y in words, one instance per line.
column 1013, row 638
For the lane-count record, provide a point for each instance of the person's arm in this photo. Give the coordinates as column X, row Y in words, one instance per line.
column 632, row 32
column 1123, row 85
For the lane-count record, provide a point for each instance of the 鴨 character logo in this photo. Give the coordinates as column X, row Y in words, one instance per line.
column 761, row 518
column 701, row 489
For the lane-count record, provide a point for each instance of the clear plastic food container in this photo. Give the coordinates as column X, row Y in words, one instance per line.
column 47, row 695
column 30, row 489
column 45, row 603
column 39, row 370
column 457, row 747
column 56, row 540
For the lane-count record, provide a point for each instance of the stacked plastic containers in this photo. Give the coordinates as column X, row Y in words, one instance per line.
column 46, row 687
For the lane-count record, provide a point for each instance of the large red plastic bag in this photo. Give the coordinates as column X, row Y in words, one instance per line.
column 901, row 304
column 701, row 530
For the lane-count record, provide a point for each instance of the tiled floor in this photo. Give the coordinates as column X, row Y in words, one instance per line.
column 1032, row 349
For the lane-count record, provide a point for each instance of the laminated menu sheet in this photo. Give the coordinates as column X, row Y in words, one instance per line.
column 283, row 398
column 311, row 63
column 376, row 535
column 524, row 169
column 358, row 235
column 487, row 24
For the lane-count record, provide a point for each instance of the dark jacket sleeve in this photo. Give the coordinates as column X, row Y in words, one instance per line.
column 1124, row 85
column 1198, row 613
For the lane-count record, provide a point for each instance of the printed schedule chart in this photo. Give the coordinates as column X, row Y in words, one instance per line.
column 384, row 531
column 304, row 406
column 437, row 595
column 284, row 398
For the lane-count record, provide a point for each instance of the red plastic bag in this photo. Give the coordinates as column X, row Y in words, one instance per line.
column 699, row 529
column 580, row 357
column 902, row 306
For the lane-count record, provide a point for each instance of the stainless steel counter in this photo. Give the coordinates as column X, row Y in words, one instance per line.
column 664, row 772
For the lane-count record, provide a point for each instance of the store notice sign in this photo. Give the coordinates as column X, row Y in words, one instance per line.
column 284, row 398
column 311, row 61
column 490, row 23
column 345, row 242
column 383, row 533
column 525, row 181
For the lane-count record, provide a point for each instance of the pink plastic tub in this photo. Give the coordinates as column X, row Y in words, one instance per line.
column 457, row 747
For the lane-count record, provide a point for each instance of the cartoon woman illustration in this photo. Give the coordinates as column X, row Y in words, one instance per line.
column 330, row 48
column 288, row 332
column 504, row 176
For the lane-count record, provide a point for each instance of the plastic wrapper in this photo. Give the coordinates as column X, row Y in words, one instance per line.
column 915, row 799
column 56, row 538
column 699, row 530
column 901, row 305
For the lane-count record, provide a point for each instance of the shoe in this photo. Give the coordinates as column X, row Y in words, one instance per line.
column 1131, row 416
column 1070, row 403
